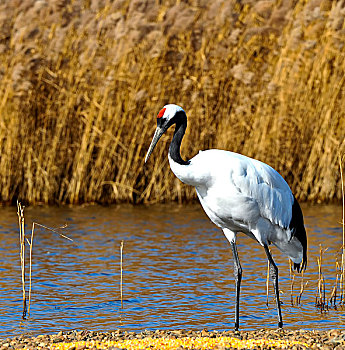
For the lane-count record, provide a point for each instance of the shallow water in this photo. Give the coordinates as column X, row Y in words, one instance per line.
column 177, row 272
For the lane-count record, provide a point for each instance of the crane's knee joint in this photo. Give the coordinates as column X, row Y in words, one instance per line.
column 238, row 273
column 274, row 271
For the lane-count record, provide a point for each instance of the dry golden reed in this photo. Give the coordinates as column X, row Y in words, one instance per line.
column 22, row 238
column 121, row 273
column 82, row 81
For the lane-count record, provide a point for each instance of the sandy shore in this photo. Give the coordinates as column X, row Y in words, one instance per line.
column 181, row 339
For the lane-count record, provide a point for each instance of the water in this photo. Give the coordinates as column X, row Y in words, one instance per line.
column 177, row 272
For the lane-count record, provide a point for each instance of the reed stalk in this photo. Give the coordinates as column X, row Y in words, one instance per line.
column 30, row 264
column 267, row 282
column 342, row 279
column 333, row 297
column 320, row 300
column 303, row 286
column 121, row 273
column 20, row 213
column 292, row 281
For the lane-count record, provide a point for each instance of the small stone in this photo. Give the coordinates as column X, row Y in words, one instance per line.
column 204, row 333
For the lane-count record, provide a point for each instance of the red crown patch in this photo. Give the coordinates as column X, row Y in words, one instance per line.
column 161, row 113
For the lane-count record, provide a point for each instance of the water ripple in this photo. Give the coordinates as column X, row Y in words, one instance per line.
column 177, row 272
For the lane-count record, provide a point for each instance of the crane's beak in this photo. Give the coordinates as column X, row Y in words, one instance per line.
column 158, row 133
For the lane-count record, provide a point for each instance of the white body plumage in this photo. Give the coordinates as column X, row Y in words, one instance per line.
column 241, row 194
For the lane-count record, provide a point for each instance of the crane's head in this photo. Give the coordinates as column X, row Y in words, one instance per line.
column 167, row 116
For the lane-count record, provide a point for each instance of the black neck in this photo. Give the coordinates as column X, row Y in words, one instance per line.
column 174, row 149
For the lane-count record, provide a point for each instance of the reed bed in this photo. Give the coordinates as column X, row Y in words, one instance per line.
column 82, row 81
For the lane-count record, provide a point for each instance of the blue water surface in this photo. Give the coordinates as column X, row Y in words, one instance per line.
column 177, row 272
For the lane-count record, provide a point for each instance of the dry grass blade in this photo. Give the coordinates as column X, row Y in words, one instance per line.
column 30, row 264
column 303, row 286
column 267, row 282
column 121, row 277
column 342, row 279
column 321, row 301
column 20, row 213
column 55, row 230
column 292, row 281
column 333, row 297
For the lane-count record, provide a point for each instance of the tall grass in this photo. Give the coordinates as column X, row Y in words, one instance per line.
column 77, row 111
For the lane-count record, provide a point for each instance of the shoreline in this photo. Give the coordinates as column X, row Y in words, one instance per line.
column 182, row 339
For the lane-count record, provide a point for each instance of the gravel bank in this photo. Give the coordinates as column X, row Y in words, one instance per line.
column 181, row 339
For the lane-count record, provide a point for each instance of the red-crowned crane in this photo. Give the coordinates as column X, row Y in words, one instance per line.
column 239, row 194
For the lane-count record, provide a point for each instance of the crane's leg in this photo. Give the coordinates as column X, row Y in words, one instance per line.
column 274, row 276
column 238, row 278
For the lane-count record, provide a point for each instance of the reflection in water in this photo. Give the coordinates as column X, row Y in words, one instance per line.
column 177, row 271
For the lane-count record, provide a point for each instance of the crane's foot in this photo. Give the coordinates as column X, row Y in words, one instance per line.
column 280, row 324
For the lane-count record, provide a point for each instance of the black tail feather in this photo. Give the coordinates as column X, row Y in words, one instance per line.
column 298, row 230
column 301, row 266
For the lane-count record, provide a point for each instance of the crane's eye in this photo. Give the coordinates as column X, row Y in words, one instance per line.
column 161, row 113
